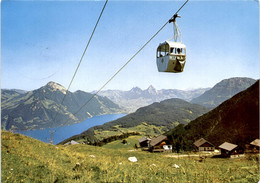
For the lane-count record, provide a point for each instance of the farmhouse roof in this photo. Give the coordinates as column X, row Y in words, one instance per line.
column 157, row 140
column 200, row 142
column 72, row 142
column 256, row 142
column 227, row 146
column 143, row 139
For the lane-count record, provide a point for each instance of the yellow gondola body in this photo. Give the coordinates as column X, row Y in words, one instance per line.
column 171, row 56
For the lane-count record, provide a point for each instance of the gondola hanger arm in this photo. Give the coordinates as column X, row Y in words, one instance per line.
column 173, row 19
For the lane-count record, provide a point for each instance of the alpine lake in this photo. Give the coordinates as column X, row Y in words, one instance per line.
column 61, row 133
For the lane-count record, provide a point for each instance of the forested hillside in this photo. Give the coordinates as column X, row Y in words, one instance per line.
column 153, row 119
column 235, row 120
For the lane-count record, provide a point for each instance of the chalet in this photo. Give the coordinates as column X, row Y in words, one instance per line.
column 230, row 150
column 160, row 144
column 144, row 141
column 255, row 146
column 204, row 145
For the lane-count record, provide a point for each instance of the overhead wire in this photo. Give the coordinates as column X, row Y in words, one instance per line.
column 181, row 7
column 73, row 77
column 95, row 94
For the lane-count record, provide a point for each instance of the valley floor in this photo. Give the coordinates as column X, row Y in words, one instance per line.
column 27, row 160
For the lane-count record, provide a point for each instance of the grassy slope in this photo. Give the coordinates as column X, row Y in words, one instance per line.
column 144, row 129
column 27, row 160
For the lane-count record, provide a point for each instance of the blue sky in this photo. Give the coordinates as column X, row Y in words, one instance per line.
column 42, row 41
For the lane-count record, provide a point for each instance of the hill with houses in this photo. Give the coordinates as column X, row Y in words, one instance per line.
column 25, row 159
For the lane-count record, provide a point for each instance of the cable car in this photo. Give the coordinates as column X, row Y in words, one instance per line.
column 171, row 55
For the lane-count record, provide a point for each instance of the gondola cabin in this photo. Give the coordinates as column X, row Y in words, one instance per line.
column 171, row 56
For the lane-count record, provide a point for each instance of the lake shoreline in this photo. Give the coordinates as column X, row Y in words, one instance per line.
column 58, row 134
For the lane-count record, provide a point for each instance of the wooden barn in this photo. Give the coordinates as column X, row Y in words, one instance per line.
column 160, row 144
column 204, row 145
column 230, row 150
column 144, row 141
column 255, row 146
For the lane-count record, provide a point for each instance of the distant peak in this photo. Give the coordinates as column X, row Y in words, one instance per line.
column 136, row 89
column 55, row 86
column 236, row 81
column 151, row 89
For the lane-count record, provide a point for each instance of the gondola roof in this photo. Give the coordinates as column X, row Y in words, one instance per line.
column 173, row 44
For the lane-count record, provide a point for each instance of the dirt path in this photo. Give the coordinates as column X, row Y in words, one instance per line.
column 190, row 155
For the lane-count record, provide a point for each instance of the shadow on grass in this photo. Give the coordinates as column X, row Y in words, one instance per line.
column 219, row 156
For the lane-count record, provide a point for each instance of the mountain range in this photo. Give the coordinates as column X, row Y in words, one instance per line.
column 235, row 120
column 222, row 91
column 136, row 97
column 41, row 108
column 209, row 97
column 160, row 117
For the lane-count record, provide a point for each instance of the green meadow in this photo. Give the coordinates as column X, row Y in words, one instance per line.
column 143, row 129
column 118, row 144
column 27, row 160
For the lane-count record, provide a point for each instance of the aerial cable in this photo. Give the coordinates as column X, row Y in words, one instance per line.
column 130, row 59
column 73, row 77
column 181, row 7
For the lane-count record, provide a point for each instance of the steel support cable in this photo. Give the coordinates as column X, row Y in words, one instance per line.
column 182, row 6
column 128, row 61
column 73, row 77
